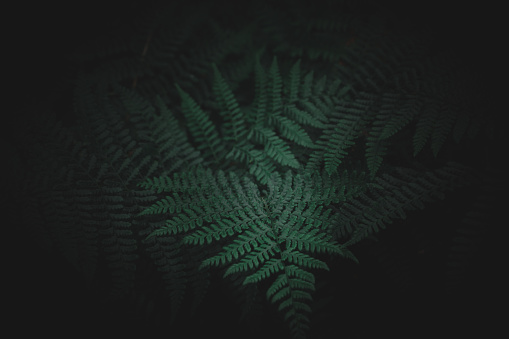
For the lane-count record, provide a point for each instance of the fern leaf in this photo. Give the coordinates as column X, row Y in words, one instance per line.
column 234, row 124
column 238, row 249
column 312, row 108
column 276, row 148
column 274, row 87
column 294, row 83
column 302, row 117
column 292, row 131
column 338, row 141
column 404, row 190
column 397, row 119
column 424, row 127
column 261, row 98
column 307, row 85
column 443, row 127
column 302, row 259
column 257, row 161
column 269, row 268
column 254, row 259
column 291, row 286
column 200, row 126
column 375, row 152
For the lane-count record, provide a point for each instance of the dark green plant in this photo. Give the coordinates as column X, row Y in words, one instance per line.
column 262, row 151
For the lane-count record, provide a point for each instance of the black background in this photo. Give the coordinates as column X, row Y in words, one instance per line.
column 44, row 32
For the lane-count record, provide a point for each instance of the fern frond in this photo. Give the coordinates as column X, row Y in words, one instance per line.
column 302, row 259
column 184, row 182
column 291, row 286
column 201, row 127
column 274, row 87
column 290, row 214
column 269, row 268
column 424, row 127
column 338, row 141
column 234, row 123
column 258, row 162
column 293, row 86
column 293, row 132
column 404, row 190
column 174, row 149
column 393, row 119
column 210, row 156
column 443, row 127
column 275, row 147
column 260, row 101
column 254, row 259
column 302, row 116
column 375, row 152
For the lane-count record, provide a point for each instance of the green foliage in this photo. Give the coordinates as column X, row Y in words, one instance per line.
column 238, row 148
column 272, row 231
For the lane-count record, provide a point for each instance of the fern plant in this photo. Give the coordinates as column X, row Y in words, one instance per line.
column 267, row 150
column 272, row 229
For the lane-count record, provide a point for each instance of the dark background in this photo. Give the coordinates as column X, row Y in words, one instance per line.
column 51, row 298
column 41, row 35
column 38, row 40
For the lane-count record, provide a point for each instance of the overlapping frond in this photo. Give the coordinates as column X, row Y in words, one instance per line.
column 275, row 233
column 204, row 144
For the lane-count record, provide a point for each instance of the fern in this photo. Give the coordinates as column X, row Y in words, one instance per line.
column 269, row 236
column 275, row 147
column 274, row 86
column 230, row 111
column 201, row 128
column 262, row 147
column 393, row 196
